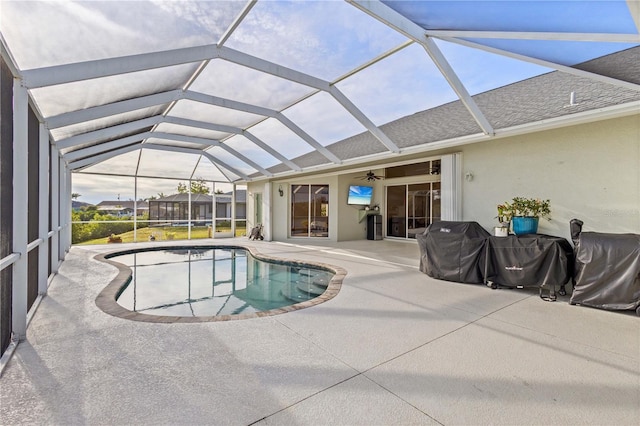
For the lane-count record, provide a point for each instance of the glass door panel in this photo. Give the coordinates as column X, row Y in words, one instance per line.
column 397, row 211
column 300, row 210
column 258, row 208
column 319, row 225
column 418, row 199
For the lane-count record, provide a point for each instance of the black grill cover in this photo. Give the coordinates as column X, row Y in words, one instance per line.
column 532, row 260
column 453, row 251
column 607, row 269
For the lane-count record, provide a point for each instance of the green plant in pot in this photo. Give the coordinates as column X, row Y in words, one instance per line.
column 505, row 213
column 526, row 212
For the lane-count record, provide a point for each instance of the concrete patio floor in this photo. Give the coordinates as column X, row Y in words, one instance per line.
column 393, row 347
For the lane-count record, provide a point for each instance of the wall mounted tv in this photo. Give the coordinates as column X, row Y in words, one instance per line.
column 360, row 195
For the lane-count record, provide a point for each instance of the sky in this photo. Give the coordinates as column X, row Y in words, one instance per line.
column 325, row 39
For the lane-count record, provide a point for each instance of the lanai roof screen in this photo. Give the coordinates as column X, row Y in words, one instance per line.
column 237, row 90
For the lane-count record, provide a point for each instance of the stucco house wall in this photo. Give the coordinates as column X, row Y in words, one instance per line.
column 588, row 171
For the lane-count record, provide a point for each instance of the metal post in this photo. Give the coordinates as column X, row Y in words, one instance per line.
column 65, row 200
column 135, row 209
column 55, row 208
column 43, row 211
column 67, row 208
column 213, row 212
column 233, row 211
column 20, row 208
column 189, row 212
column 61, row 198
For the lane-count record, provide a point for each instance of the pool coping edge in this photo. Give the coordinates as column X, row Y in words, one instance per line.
column 106, row 299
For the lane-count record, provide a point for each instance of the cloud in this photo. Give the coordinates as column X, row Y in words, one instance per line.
column 280, row 138
column 320, row 38
column 96, row 188
column 231, row 81
column 399, row 85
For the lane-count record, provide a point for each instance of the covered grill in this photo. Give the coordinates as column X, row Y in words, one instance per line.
column 607, row 269
column 453, row 251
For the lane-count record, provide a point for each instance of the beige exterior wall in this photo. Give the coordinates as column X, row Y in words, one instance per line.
column 589, row 171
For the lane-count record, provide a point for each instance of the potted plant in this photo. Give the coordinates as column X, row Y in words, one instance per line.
column 526, row 212
column 505, row 213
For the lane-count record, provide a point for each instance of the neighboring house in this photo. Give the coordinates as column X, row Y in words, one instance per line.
column 122, row 208
column 176, row 207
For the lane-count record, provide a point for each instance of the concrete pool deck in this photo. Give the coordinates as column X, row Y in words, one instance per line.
column 393, row 347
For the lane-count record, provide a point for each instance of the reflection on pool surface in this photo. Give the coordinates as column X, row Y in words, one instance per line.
column 214, row 281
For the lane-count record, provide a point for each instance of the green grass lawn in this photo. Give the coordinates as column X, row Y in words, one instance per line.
column 166, row 234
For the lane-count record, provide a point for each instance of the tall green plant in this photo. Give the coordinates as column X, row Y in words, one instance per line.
column 528, row 207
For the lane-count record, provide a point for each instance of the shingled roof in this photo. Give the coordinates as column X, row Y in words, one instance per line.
column 529, row 101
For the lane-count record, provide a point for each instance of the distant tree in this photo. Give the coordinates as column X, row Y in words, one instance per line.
column 198, row 186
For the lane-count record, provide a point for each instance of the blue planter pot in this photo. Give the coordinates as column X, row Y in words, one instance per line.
column 524, row 225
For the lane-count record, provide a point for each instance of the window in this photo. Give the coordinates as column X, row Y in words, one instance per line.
column 414, row 169
column 309, row 210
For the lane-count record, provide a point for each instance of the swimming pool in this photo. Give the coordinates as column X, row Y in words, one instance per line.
column 211, row 283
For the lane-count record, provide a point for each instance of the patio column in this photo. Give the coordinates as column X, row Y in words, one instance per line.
column 20, row 207
column 451, row 186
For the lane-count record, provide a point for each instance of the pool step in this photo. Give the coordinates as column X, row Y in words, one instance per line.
column 311, row 288
column 301, row 291
column 293, row 293
column 306, row 272
column 313, row 277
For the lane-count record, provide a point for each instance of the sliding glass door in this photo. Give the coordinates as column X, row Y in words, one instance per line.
column 411, row 208
column 309, row 210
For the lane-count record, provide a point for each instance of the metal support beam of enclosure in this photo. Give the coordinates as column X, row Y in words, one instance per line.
column 55, row 209
column 20, row 207
column 43, row 211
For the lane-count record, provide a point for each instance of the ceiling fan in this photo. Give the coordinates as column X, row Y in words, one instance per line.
column 371, row 177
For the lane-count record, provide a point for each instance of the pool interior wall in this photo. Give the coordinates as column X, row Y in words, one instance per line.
column 108, row 299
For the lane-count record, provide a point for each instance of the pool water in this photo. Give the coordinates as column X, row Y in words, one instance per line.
column 214, row 281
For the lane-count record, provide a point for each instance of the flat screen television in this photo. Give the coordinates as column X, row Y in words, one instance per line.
column 360, row 195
